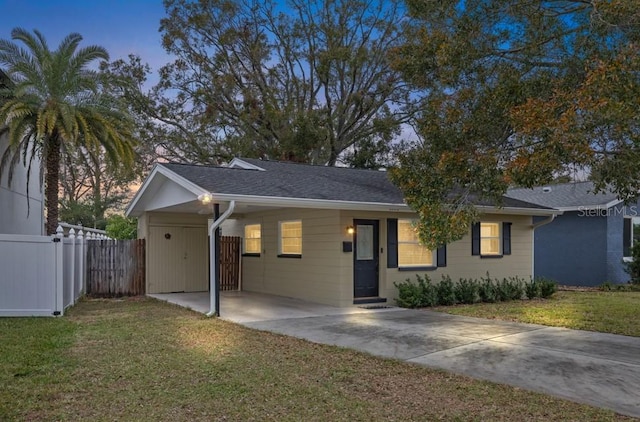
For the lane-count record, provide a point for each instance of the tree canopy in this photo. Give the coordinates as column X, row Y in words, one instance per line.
column 54, row 104
column 306, row 85
column 517, row 93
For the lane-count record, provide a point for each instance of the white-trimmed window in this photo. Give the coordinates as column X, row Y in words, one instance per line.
column 631, row 233
column 290, row 238
column 410, row 252
column 490, row 237
column 252, row 239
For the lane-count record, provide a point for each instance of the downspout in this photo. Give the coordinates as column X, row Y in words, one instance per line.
column 544, row 222
column 533, row 240
column 213, row 271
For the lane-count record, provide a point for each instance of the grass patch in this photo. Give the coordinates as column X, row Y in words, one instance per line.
column 147, row 360
column 603, row 311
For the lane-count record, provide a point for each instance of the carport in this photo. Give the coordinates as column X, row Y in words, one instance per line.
column 180, row 221
column 251, row 307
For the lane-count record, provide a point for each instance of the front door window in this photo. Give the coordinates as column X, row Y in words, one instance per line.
column 364, row 245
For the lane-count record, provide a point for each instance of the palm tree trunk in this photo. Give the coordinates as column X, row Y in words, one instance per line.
column 52, row 182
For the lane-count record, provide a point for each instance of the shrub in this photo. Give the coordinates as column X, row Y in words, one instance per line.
column 416, row 295
column 532, row 289
column 509, row 289
column 487, row 290
column 606, row 286
column 517, row 288
column 633, row 268
column 423, row 293
column 503, row 290
column 119, row 227
column 428, row 293
column 466, row 291
column 408, row 294
column 445, row 289
column 547, row 287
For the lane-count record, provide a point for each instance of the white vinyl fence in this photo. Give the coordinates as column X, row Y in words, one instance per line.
column 42, row 275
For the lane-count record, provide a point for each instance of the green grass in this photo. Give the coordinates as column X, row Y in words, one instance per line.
column 603, row 311
column 146, row 360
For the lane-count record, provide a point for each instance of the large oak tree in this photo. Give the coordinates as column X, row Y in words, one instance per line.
column 307, row 82
column 518, row 92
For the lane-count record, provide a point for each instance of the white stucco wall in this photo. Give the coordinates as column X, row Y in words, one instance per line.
column 17, row 215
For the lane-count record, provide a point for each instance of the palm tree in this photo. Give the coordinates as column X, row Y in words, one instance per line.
column 53, row 104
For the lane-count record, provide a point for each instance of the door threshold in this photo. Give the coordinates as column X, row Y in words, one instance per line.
column 363, row 300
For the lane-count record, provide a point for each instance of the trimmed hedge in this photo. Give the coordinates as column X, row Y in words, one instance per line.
column 425, row 293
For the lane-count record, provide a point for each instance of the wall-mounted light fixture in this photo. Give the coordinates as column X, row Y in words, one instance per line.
column 205, row 198
column 350, row 230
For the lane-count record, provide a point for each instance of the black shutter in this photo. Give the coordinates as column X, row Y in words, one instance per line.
column 442, row 256
column 626, row 237
column 475, row 239
column 506, row 238
column 392, row 243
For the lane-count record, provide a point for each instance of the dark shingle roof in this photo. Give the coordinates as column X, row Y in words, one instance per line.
column 290, row 180
column 293, row 180
column 566, row 195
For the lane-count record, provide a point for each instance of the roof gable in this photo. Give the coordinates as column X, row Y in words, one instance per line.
column 162, row 189
column 243, row 164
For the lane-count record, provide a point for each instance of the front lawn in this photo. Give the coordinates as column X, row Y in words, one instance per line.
column 140, row 359
column 603, row 311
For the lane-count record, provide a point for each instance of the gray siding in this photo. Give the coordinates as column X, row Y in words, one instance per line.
column 572, row 249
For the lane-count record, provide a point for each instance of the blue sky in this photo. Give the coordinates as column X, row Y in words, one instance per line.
column 120, row 26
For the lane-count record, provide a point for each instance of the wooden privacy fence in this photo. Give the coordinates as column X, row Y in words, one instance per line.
column 116, row 268
column 230, row 262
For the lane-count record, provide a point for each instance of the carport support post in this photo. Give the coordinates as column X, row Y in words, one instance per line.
column 214, row 256
column 216, row 286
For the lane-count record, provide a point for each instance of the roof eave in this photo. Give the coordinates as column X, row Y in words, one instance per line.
column 592, row 207
column 518, row 211
column 364, row 206
column 311, row 203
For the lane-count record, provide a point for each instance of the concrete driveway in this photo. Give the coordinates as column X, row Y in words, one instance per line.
column 598, row 369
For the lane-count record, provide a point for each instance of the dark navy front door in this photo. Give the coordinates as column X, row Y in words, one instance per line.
column 365, row 258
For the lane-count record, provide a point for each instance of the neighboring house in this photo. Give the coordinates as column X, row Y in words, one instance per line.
column 588, row 244
column 20, row 212
column 330, row 235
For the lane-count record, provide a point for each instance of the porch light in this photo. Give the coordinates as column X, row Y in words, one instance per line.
column 350, row 230
column 205, row 198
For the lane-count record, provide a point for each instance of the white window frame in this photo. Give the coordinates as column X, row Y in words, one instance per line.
column 413, row 241
column 634, row 221
column 246, row 237
column 280, row 238
column 498, row 237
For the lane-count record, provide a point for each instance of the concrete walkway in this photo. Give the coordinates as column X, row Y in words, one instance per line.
column 598, row 369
